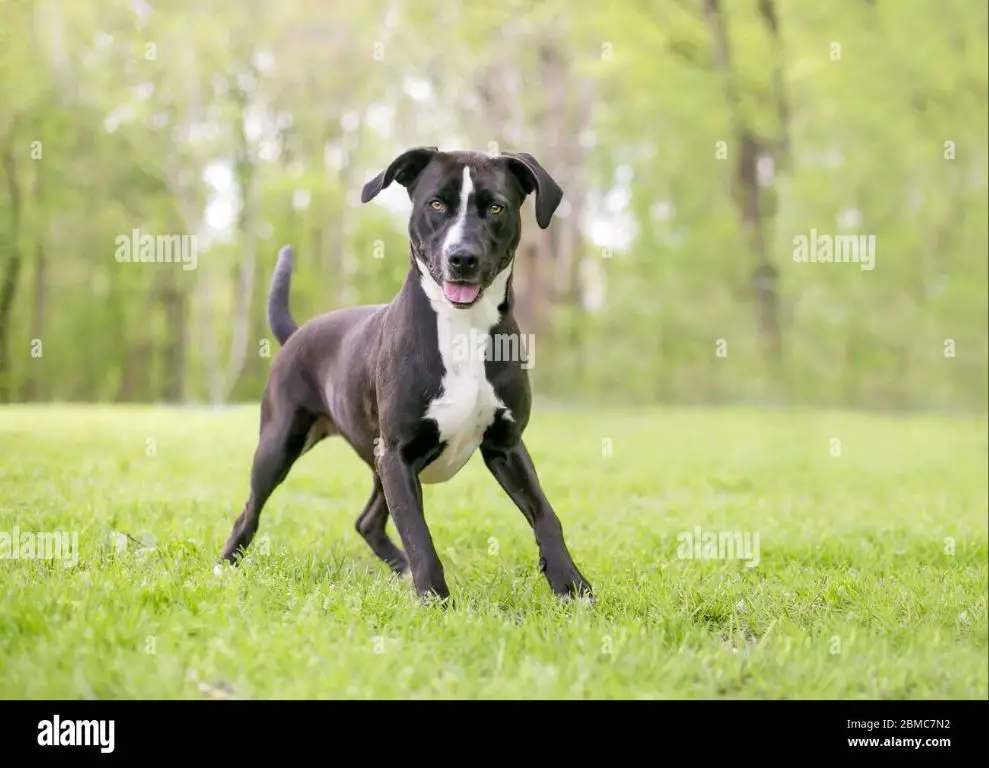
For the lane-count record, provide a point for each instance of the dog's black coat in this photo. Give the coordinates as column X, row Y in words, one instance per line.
column 369, row 373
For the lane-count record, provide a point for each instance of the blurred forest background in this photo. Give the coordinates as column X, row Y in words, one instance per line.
column 694, row 139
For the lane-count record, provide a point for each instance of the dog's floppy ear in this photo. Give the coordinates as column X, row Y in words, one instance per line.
column 404, row 169
column 534, row 178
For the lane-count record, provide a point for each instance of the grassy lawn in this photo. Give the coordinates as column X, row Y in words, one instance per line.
column 868, row 578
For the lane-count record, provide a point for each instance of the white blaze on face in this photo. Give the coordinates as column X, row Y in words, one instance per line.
column 455, row 234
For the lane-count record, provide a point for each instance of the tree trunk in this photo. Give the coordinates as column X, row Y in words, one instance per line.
column 248, row 225
column 746, row 187
column 11, row 275
column 175, row 305
column 32, row 388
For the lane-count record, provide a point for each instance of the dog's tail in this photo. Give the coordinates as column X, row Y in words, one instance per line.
column 279, row 318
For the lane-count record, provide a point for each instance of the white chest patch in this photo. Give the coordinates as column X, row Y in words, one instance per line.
column 467, row 404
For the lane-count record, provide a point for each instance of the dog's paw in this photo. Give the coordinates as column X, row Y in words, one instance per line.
column 432, row 601
column 579, row 591
column 400, row 566
column 223, row 568
column 568, row 583
column 433, row 593
column 584, row 596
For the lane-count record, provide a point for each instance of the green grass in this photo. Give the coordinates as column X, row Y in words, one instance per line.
column 871, row 579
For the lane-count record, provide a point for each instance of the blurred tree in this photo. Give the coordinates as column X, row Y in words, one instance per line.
column 696, row 140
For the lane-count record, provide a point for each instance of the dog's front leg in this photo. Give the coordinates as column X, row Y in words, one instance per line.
column 403, row 492
column 513, row 469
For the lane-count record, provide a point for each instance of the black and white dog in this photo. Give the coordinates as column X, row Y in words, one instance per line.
column 386, row 377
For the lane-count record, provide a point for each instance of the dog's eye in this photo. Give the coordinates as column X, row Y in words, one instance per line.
column 494, row 209
column 437, row 205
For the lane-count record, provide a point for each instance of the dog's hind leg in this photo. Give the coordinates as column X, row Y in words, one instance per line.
column 282, row 439
column 371, row 525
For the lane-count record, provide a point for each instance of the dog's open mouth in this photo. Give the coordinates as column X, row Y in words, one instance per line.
column 461, row 294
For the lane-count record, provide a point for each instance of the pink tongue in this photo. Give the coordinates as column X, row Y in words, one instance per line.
column 460, row 294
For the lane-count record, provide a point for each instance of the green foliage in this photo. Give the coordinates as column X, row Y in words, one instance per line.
column 883, row 134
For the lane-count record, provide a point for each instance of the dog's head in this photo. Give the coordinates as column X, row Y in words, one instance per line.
column 466, row 220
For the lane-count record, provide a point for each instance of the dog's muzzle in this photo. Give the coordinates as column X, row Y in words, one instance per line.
column 461, row 272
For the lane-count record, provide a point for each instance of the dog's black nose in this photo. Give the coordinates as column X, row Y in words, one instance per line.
column 463, row 263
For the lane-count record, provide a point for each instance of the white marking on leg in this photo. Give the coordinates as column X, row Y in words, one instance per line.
column 455, row 234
